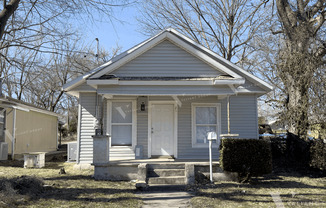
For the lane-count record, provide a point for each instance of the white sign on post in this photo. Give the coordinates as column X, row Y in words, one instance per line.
column 210, row 137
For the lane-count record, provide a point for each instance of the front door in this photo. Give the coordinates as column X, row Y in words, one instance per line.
column 162, row 129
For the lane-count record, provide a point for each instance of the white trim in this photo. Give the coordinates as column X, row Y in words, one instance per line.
column 102, row 82
column 131, row 54
column 175, row 128
column 256, row 112
column 193, row 124
column 177, row 100
column 96, row 82
column 108, row 118
column 164, row 94
column 192, row 47
column 134, row 118
column 78, row 133
column 256, row 79
column 13, row 134
column 202, row 56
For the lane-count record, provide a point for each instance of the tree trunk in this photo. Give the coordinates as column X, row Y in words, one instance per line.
column 297, row 107
column 5, row 14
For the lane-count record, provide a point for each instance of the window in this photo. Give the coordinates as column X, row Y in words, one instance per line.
column 205, row 118
column 121, row 122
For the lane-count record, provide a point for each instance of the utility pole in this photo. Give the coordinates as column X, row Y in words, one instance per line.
column 97, row 51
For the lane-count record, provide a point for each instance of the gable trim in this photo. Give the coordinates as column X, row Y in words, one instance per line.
column 262, row 83
column 171, row 36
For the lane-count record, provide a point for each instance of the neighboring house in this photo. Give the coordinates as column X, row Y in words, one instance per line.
column 27, row 128
column 164, row 95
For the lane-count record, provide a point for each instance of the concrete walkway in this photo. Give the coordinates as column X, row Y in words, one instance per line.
column 165, row 196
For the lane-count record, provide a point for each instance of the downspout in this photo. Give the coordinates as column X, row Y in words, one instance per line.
column 57, row 134
column 13, row 134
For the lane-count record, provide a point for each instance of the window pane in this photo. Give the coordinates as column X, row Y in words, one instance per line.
column 201, row 133
column 121, row 112
column 205, row 115
column 121, row 134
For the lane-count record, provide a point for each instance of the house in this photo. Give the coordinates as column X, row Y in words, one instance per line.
column 163, row 96
column 25, row 128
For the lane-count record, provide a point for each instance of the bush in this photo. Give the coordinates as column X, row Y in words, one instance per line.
column 247, row 157
column 318, row 154
column 278, row 145
column 297, row 150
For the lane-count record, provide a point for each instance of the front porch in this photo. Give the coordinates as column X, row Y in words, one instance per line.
column 159, row 171
column 150, row 171
column 143, row 127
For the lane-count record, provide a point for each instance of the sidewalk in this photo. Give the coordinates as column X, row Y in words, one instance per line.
column 165, row 196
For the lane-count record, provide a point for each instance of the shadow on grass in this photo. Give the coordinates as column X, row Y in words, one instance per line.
column 88, row 194
column 12, row 163
column 71, row 177
column 251, row 196
column 260, row 190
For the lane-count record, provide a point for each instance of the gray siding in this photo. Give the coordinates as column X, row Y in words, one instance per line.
column 142, row 132
column 249, row 87
column 84, row 88
column 87, row 102
column 243, row 119
column 185, row 149
column 166, row 59
column 243, row 116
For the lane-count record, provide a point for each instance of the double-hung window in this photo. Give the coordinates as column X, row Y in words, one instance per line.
column 205, row 118
column 121, row 123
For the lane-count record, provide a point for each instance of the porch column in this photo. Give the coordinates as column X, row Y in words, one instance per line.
column 228, row 135
column 101, row 149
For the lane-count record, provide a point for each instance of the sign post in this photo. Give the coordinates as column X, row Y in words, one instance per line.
column 210, row 137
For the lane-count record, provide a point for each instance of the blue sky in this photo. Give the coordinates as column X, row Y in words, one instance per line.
column 123, row 32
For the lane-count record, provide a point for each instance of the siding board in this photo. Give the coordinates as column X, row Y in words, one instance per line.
column 166, row 59
column 87, row 101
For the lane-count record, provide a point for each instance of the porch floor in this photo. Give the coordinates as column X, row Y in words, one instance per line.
column 164, row 160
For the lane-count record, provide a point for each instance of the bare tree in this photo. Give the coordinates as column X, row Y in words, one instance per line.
column 44, row 85
column 224, row 26
column 301, row 55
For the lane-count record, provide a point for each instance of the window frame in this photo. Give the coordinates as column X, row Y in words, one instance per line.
column 194, row 125
column 134, row 118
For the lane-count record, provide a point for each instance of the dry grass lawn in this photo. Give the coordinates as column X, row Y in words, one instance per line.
column 289, row 189
column 73, row 189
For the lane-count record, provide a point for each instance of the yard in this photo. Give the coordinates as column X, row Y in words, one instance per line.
column 73, row 189
column 290, row 187
column 79, row 189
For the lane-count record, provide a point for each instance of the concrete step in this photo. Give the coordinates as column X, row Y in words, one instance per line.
column 166, row 166
column 166, row 172
column 173, row 180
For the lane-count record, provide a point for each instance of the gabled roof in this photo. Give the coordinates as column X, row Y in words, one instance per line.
column 186, row 43
column 9, row 102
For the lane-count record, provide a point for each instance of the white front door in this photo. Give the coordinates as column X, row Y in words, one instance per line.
column 162, row 129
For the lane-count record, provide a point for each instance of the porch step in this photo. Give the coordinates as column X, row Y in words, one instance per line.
column 166, row 166
column 121, row 153
column 173, row 180
column 166, row 173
